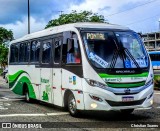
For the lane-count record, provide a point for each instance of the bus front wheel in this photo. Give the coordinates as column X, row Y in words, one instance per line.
column 72, row 107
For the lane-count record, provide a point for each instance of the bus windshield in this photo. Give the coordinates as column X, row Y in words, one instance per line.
column 107, row 49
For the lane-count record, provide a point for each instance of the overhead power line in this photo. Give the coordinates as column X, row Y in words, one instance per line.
column 131, row 8
column 143, row 19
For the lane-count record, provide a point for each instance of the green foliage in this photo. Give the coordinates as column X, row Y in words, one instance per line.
column 5, row 37
column 3, row 54
column 74, row 16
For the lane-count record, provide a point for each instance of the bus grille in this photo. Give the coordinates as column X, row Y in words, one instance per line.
column 125, row 85
column 132, row 103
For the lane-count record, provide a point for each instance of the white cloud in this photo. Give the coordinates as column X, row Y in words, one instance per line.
column 20, row 28
column 104, row 7
column 135, row 16
column 95, row 5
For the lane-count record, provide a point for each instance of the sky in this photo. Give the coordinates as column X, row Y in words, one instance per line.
column 139, row 15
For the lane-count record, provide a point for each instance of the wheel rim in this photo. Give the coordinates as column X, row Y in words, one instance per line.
column 72, row 105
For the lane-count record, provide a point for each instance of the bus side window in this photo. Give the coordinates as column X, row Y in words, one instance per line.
column 26, row 52
column 152, row 57
column 57, row 51
column 21, row 52
column 35, row 50
column 73, row 51
column 46, row 51
column 158, row 59
column 14, row 53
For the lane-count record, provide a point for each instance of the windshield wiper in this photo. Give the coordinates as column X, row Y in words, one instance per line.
column 118, row 52
column 114, row 59
column 123, row 53
column 131, row 56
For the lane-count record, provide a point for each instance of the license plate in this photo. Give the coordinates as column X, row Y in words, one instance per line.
column 127, row 98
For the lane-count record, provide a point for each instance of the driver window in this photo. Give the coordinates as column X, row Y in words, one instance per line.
column 73, row 51
column 71, row 48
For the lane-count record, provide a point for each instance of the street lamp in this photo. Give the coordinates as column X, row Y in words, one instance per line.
column 28, row 18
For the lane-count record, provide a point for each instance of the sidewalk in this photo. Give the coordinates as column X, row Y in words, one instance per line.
column 156, row 97
column 3, row 84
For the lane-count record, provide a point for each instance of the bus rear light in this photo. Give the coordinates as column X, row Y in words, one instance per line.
column 62, row 88
column 78, row 101
column 80, row 92
column 96, row 98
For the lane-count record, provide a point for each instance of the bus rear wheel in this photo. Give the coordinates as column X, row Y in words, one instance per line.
column 127, row 111
column 72, row 107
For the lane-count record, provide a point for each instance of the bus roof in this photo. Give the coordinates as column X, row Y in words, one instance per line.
column 154, row 52
column 67, row 27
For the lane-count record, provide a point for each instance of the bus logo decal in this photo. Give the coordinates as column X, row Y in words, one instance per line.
column 74, row 80
column 127, row 90
column 70, row 79
column 119, row 79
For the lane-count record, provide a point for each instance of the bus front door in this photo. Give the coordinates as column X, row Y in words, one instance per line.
column 57, row 73
column 46, row 72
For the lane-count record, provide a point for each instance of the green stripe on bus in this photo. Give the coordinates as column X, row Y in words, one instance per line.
column 102, row 75
column 13, row 78
column 18, row 89
column 125, row 85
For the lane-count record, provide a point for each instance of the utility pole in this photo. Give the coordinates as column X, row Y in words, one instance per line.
column 60, row 15
column 61, row 12
column 28, row 17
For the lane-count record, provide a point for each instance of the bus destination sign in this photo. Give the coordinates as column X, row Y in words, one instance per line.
column 95, row 36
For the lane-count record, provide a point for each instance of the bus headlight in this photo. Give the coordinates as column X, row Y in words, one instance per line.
column 149, row 83
column 95, row 83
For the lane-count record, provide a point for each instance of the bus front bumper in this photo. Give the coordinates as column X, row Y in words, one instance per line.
column 106, row 100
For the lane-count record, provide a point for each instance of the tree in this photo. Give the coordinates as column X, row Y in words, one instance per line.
column 5, row 37
column 74, row 16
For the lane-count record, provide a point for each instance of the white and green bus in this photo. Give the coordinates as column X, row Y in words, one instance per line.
column 83, row 66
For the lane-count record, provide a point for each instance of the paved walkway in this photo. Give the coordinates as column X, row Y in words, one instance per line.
column 3, row 84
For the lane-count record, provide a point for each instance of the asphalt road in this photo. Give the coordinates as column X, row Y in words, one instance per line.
column 14, row 109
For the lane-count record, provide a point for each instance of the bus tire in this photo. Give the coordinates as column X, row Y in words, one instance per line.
column 26, row 93
column 72, row 107
column 127, row 111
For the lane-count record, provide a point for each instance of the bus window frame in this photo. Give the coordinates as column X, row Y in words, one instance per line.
column 14, row 63
column 41, row 51
column 34, row 62
column 24, row 62
column 73, row 64
column 60, row 59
